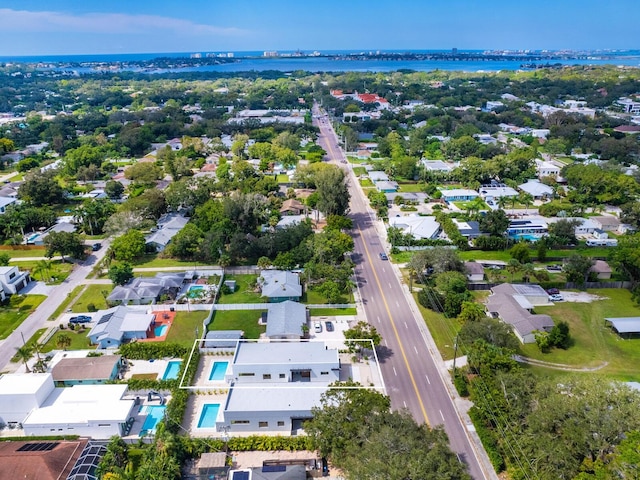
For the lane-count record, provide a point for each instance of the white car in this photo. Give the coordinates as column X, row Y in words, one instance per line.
column 556, row 298
column 317, row 327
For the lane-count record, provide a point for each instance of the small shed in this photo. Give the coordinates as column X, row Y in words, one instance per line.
column 624, row 325
column 212, row 465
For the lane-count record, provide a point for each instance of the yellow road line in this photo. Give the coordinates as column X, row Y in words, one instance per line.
column 395, row 330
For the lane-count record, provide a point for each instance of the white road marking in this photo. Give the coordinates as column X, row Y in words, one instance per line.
column 428, row 381
column 406, row 326
column 378, row 319
column 394, row 371
column 397, row 303
column 405, row 404
column 416, row 349
column 441, row 415
column 390, row 285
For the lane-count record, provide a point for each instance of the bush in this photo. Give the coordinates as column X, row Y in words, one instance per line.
column 91, row 307
column 460, row 382
column 147, row 351
column 488, row 440
column 491, row 243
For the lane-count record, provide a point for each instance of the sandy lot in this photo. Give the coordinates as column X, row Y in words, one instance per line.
column 580, row 297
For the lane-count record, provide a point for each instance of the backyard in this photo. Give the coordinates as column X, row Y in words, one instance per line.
column 244, row 292
column 19, row 308
column 245, row 320
column 183, row 328
column 594, row 343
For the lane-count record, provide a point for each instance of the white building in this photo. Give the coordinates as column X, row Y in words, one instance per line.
column 491, row 106
column 13, row 280
column 96, row 411
column 546, row 169
column 417, row 226
column 491, row 193
column 629, row 106
column 536, row 189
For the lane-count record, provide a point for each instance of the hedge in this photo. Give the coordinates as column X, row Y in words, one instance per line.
column 488, row 439
column 152, row 350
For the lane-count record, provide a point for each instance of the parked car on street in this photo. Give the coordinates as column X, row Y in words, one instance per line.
column 553, row 291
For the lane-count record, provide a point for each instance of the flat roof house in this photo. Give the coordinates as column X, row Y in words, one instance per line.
column 13, row 280
column 459, row 195
column 280, row 285
column 513, row 305
column 469, row 229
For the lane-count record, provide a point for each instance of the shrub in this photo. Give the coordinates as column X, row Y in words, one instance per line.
column 91, row 307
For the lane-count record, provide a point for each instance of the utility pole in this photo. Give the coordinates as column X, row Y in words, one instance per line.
column 455, row 355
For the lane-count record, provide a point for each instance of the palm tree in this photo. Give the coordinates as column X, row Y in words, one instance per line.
column 527, row 271
column 527, row 199
column 63, row 341
column 513, row 267
column 43, row 269
column 25, row 353
column 503, row 202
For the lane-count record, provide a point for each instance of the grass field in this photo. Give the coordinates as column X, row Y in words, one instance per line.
column 24, row 252
column 283, row 178
column 183, row 328
column 411, row 187
column 58, row 272
column 245, row 320
column 244, row 292
column 92, row 294
column 595, row 343
column 365, row 182
column 12, row 317
column 443, row 330
column 153, row 261
column 331, row 312
column 79, row 340
column 65, row 304
column 359, row 171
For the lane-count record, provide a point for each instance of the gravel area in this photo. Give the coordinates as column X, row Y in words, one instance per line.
column 580, row 297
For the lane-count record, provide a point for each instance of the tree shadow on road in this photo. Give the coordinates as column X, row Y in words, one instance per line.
column 383, row 353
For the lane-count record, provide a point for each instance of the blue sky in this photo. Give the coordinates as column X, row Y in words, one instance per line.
column 50, row 27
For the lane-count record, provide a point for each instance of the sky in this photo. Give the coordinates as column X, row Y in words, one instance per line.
column 66, row 27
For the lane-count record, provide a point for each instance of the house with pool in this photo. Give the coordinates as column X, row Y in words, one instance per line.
column 120, row 324
column 272, row 387
column 147, row 290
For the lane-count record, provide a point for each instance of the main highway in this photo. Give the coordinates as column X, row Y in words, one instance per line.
column 411, row 374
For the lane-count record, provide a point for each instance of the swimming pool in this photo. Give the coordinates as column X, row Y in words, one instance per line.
column 208, row 415
column 195, row 290
column 171, row 372
column 160, row 331
column 155, row 413
column 526, row 236
column 218, row 370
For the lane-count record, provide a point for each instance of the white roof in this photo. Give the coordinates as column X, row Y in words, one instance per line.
column 502, row 191
column 23, row 383
column 136, row 322
column 536, row 188
column 81, row 404
column 282, row 353
column 625, row 324
column 459, row 192
column 270, row 399
column 418, row 226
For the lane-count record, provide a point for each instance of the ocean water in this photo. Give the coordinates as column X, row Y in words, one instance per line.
column 246, row 61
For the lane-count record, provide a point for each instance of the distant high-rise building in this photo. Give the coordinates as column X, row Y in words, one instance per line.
column 454, row 51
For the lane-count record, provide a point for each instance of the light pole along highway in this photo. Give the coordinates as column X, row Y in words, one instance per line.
column 411, row 371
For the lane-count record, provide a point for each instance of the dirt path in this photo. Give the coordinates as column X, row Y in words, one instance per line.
column 558, row 366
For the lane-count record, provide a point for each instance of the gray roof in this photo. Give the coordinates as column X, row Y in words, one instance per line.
column 409, row 196
column 473, row 268
column 378, row 176
column 521, row 320
column 282, row 398
column 223, row 338
column 85, row 368
column 280, row 283
column 251, row 353
column 386, row 185
column 141, row 288
column 168, row 226
column 536, row 188
column 526, row 290
column 285, row 319
column 110, row 323
column 625, row 324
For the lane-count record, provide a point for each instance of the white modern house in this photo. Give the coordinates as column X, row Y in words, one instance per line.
column 13, row 280
column 274, row 386
column 417, row 226
column 96, row 411
column 546, row 169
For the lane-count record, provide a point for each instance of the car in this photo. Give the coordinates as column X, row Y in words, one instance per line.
column 96, row 246
column 553, row 291
column 317, row 327
column 554, row 268
column 80, row 319
column 556, row 298
column 383, row 256
column 329, row 326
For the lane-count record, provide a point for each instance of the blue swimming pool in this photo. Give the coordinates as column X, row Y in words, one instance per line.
column 526, row 236
column 171, row 372
column 160, row 331
column 218, row 370
column 195, row 290
column 155, row 413
column 208, row 415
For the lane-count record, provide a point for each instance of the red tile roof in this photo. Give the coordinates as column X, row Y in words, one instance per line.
column 51, row 465
column 371, row 98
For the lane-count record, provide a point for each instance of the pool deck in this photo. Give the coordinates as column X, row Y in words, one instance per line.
column 162, row 318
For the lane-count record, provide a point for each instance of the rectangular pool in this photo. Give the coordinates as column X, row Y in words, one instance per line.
column 155, row 413
column 194, row 291
column 208, row 415
column 218, row 370
column 171, row 372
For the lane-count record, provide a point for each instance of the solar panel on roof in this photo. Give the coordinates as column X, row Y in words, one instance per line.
column 274, row 468
column 106, row 318
column 37, row 447
column 240, row 476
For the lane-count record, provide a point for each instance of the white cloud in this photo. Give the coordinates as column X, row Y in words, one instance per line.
column 106, row 23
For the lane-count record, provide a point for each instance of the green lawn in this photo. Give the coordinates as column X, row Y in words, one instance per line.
column 34, row 338
column 359, row 170
column 12, row 317
column 153, row 261
column 595, row 343
column 79, row 340
column 412, row 187
column 312, row 296
column 92, row 294
column 65, row 304
column 443, row 330
column 283, row 178
column 401, row 257
column 245, row 320
column 24, row 252
column 183, row 329
column 244, row 292
column 58, row 272
column 365, row 182
column 463, row 205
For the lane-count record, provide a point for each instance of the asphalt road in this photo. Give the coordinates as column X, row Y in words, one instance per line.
column 410, row 372
column 39, row 318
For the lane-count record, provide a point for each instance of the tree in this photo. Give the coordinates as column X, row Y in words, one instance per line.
column 129, row 246
column 41, row 188
column 123, row 221
column 528, row 271
column 186, row 243
column 494, row 222
column 513, row 267
column 5, row 258
column 577, row 268
column 64, row 243
column 333, row 194
column 366, row 333
column 562, row 232
column 92, row 215
column 471, row 312
column 114, row 189
column 143, row 172
column 120, row 273
column 25, row 353
column 520, row 252
column 490, row 330
column 438, row 259
column 43, row 268
column 330, row 290
column 339, row 222
column 63, row 341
